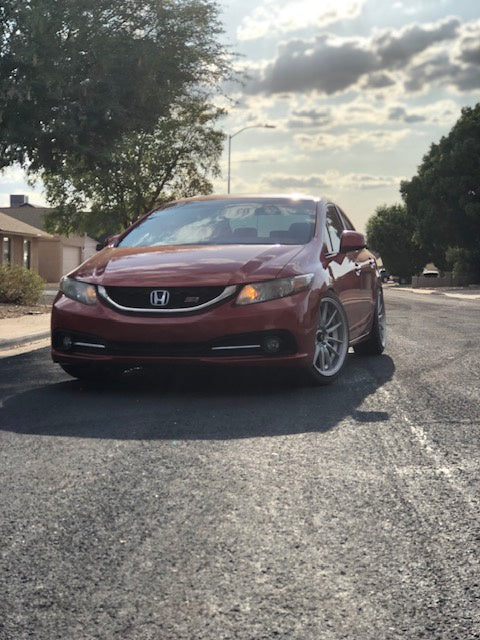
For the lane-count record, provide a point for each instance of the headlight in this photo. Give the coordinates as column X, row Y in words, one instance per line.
column 79, row 291
column 263, row 291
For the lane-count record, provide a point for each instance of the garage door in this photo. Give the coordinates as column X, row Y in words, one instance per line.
column 71, row 258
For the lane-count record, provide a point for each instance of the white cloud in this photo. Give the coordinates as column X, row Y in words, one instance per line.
column 277, row 16
column 255, row 155
column 340, row 141
column 415, row 7
column 13, row 181
column 356, row 103
column 331, row 180
column 315, row 115
column 12, row 175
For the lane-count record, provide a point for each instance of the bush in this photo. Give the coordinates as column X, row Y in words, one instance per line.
column 19, row 285
column 465, row 263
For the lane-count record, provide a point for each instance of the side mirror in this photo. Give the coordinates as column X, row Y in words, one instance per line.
column 110, row 241
column 352, row 241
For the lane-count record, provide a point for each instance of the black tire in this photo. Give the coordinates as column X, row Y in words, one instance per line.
column 331, row 342
column 374, row 345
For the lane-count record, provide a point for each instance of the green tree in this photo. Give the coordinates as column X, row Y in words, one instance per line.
column 76, row 76
column 390, row 233
column 145, row 169
column 443, row 199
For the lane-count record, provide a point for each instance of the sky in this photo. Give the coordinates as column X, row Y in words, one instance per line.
column 357, row 91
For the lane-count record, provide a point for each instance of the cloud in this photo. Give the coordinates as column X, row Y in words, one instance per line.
column 13, row 180
column 255, row 155
column 320, row 65
column 466, row 79
column 442, row 70
column 329, row 180
column 310, row 116
column 397, row 48
column 345, row 140
column 471, row 53
column 400, row 114
column 12, row 175
column 287, row 183
column 415, row 56
column 309, row 119
column 379, row 81
column 286, row 16
column 362, row 112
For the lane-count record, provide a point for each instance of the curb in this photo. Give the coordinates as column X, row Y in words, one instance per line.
column 17, row 342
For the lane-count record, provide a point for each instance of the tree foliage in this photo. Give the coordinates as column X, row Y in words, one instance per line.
column 145, row 169
column 443, row 199
column 76, row 76
column 390, row 233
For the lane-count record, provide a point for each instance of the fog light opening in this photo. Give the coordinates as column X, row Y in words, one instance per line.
column 66, row 343
column 272, row 344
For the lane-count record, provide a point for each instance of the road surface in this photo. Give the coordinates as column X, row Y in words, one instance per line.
column 240, row 505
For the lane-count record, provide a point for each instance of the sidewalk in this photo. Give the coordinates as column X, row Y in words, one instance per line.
column 15, row 332
column 19, row 331
column 462, row 293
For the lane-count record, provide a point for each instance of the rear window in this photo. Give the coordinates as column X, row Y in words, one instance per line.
column 242, row 221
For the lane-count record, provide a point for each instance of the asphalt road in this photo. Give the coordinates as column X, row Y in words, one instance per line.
column 240, row 505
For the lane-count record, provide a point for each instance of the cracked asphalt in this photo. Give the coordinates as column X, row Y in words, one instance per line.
column 242, row 505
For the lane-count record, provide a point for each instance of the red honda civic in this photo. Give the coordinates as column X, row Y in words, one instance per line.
column 257, row 280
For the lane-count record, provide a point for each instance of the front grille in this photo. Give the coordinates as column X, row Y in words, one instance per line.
column 178, row 297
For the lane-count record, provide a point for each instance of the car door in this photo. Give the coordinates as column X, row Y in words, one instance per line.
column 345, row 271
column 366, row 271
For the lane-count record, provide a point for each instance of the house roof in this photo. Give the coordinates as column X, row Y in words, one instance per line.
column 34, row 216
column 15, row 227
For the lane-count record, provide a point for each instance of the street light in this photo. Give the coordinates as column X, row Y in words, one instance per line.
column 250, row 126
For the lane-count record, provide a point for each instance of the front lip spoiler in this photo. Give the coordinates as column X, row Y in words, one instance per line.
column 226, row 293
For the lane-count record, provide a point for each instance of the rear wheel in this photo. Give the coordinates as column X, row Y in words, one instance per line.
column 331, row 341
column 375, row 343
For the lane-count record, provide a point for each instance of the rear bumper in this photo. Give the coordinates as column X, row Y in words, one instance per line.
column 279, row 332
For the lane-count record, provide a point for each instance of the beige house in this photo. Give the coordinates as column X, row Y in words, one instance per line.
column 20, row 242
column 54, row 255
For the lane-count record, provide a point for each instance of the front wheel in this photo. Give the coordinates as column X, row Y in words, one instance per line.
column 375, row 343
column 330, row 341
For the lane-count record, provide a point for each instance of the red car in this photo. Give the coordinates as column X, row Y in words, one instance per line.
column 258, row 280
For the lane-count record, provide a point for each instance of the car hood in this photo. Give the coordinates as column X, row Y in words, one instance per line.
column 207, row 265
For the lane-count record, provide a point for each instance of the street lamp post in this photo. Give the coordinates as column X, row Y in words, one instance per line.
column 250, row 126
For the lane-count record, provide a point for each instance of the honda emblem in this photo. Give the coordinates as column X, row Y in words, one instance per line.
column 159, row 298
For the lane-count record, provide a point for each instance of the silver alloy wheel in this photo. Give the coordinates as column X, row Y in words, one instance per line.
column 331, row 338
column 381, row 319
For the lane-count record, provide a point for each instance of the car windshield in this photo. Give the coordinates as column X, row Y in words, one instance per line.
column 232, row 221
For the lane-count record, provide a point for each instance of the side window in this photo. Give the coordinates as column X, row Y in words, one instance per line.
column 7, row 250
column 346, row 222
column 334, row 228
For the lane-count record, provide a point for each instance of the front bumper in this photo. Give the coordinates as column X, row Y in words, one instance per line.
column 276, row 332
